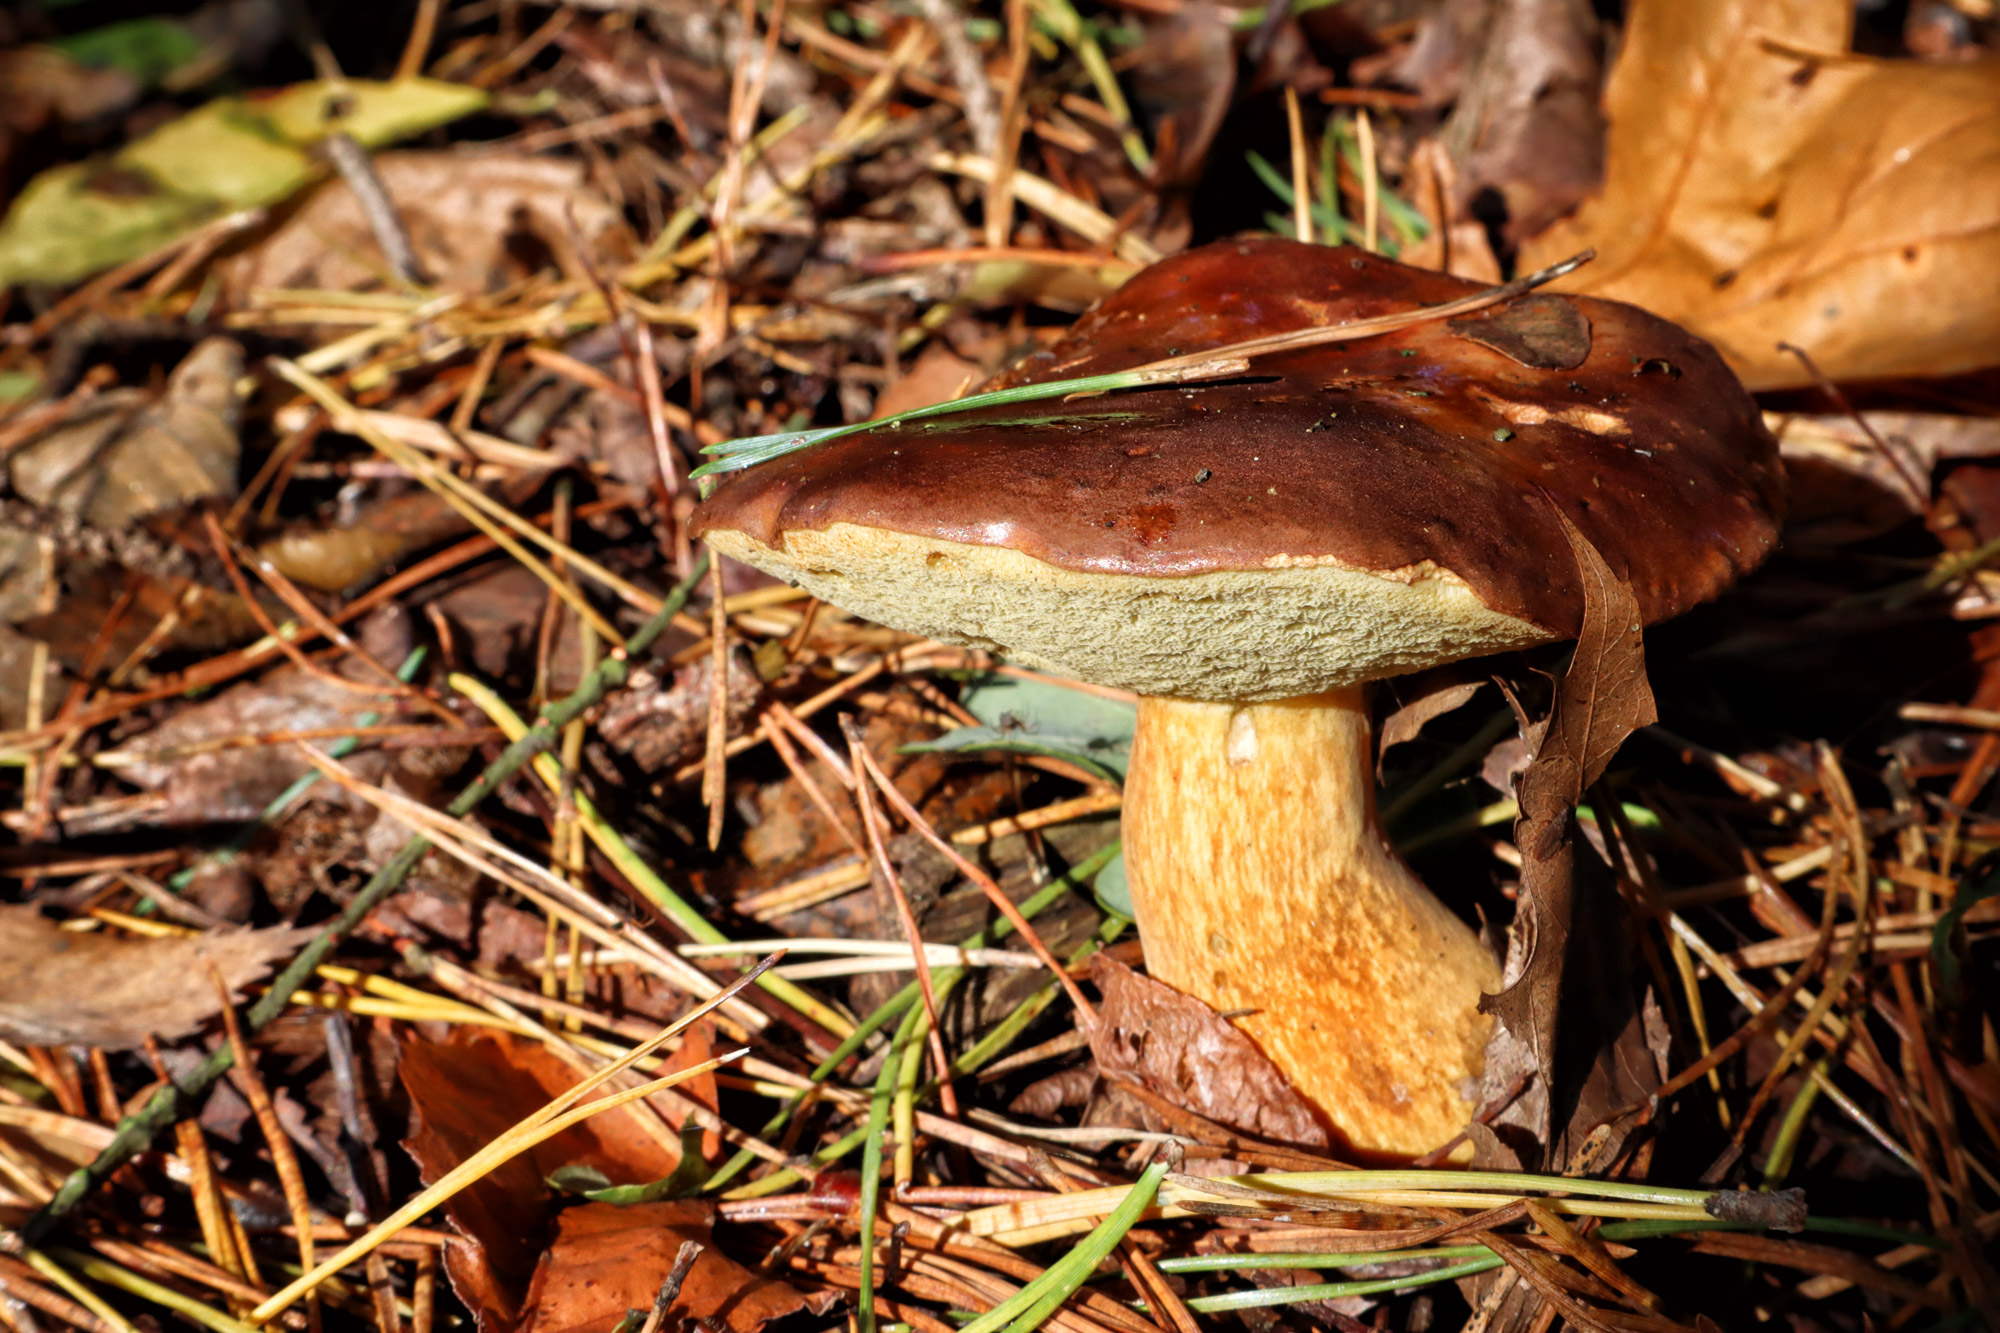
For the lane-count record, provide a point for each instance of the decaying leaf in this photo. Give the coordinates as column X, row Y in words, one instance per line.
column 86, row 479
column 1763, row 184
column 476, row 223
column 1542, row 332
column 1527, row 127
column 607, row 1260
column 90, row 988
column 202, row 779
column 1152, row 1034
column 1426, row 696
column 125, row 455
column 1603, row 698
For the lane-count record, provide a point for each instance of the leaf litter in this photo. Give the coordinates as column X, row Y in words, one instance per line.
column 606, row 239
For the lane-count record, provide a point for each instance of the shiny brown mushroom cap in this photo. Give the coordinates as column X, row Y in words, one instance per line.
column 1355, row 509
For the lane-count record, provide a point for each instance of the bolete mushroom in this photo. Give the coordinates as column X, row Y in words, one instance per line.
column 1246, row 555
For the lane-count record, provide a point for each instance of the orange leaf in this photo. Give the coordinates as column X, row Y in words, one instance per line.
column 1765, row 185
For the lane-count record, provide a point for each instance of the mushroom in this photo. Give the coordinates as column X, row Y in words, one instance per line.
column 1246, row 555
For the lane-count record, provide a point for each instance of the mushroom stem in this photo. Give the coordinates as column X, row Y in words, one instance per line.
column 1263, row 882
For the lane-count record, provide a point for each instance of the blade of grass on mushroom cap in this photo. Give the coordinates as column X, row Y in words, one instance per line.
column 1231, row 359
column 750, row 450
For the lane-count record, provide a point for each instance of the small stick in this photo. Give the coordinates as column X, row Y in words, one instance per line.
column 1084, row 1008
column 419, row 44
column 423, row 1291
column 1364, row 136
column 1007, row 145
column 714, row 772
column 283, row 1158
column 670, row 1289
column 968, row 71
column 919, row 959
column 352, row 161
column 1302, row 225
column 475, row 385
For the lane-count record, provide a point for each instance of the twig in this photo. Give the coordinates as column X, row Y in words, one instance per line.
column 137, row 1130
column 919, row 958
column 1302, row 227
column 968, row 71
column 714, row 771
column 352, row 161
column 1086, row 1011
column 419, row 44
column 670, row 1289
column 283, row 1158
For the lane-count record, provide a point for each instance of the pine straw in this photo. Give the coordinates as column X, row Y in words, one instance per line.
column 1796, row 914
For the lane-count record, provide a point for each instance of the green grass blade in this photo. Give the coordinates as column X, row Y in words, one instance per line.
column 750, row 450
column 1027, row 1308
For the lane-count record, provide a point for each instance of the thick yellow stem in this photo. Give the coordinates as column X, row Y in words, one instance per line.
column 1262, row 882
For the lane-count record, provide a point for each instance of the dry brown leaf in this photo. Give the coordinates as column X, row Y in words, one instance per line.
column 90, row 988
column 469, row 1089
column 1427, row 696
column 124, row 456
column 113, row 459
column 1603, row 698
column 1526, row 126
column 1764, row 184
column 202, row 780
column 607, row 1260
column 937, row 376
column 476, row 222
column 1152, row 1034
column 1844, row 487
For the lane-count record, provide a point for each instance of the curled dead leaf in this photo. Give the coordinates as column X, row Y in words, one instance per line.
column 1603, row 698
column 1183, row 1050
